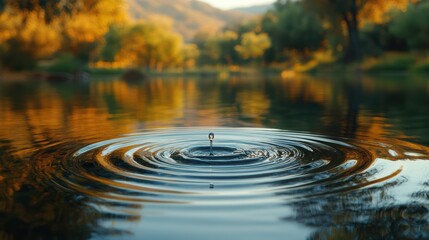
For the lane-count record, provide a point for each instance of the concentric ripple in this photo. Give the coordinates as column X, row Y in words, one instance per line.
column 247, row 165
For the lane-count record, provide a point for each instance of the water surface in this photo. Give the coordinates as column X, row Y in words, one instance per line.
column 296, row 158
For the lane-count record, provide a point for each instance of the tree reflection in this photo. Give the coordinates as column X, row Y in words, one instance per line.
column 342, row 107
column 30, row 209
column 371, row 213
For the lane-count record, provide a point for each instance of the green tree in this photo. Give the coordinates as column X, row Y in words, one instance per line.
column 219, row 48
column 113, row 41
column 227, row 41
column 412, row 26
column 351, row 13
column 290, row 27
column 210, row 51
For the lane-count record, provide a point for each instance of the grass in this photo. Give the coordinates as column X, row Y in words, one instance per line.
column 407, row 63
column 390, row 63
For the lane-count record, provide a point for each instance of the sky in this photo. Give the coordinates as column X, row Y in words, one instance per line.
column 228, row 4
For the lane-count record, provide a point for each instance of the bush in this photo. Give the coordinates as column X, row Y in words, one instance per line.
column 66, row 62
column 412, row 27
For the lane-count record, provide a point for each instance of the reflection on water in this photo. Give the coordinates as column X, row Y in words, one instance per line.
column 66, row 169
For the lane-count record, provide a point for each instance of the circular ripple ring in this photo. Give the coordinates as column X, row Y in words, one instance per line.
column 176, row 166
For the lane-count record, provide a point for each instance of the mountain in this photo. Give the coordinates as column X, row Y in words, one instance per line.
column 257, row 9
column 189, row 16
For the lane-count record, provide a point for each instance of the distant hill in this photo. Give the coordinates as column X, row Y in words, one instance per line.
column 257, row 9
column 189, row 16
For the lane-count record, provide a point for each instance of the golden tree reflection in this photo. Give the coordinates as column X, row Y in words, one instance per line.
column 103, row 109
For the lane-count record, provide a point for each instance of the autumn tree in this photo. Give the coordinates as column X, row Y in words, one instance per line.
column 253, row 45
column 51, row 8
column 190, row 54
column 88, row 24
column 151, row 44
column 27, row 34
column 38, row 29
column 351, row 13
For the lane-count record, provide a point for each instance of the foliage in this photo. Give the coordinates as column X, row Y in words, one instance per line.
column 292, row 34
column 147, row 44
column 66, row 62
column 226, row 42
column 190, row 53
column 351, row 14
column 86, row 27
column 291, row 28
column 371, row 38
column 253, row 45
column 26, row 37
column 219, row 48
column 412, row 27
column 52, row 8
column 113, row 40
column 31, row 30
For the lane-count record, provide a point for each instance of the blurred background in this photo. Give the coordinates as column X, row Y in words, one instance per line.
column 284, row 37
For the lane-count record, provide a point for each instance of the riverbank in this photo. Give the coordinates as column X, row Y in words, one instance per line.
column 387, row 64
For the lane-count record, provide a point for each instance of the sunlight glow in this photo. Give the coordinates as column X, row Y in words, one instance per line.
column 228, row 4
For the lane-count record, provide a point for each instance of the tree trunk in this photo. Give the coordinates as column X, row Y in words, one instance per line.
column 354, row 48
column 354, row 51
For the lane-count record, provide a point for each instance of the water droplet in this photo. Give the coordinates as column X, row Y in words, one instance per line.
column 211, row 136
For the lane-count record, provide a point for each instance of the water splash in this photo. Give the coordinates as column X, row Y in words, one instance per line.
column 211, row 138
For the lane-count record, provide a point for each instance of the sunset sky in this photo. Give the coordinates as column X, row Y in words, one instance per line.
column 228, row 4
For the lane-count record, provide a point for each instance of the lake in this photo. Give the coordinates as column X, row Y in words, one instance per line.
column 304, row 157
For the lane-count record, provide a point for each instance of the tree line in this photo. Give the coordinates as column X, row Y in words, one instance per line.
column 97, row 32
column 348, row 29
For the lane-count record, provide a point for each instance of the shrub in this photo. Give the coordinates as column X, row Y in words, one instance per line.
column 66, row 62
column 412, row 27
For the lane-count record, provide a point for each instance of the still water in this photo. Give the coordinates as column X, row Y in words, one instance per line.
column 296, row 158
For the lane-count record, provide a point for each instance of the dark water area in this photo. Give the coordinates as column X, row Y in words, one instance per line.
column 297, row 158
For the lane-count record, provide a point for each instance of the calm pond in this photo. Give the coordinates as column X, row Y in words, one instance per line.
column 296, row 158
